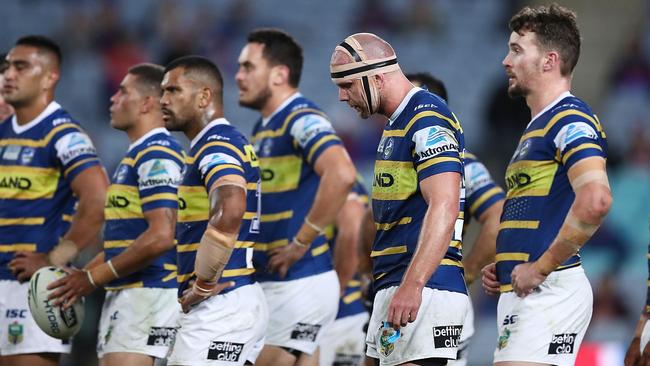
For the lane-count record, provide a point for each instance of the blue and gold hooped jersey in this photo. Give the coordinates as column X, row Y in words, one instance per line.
column 421, row 139
column 218, row 150
column 38, row 162
column 351, row 303
column 147, row 178
column 481, row 191
column 288, row 144
column 539, row 194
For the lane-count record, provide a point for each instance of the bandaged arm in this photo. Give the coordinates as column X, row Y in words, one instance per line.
column 227, row 207
column 593, row 199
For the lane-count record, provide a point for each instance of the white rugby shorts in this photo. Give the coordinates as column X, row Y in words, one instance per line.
column 19, row 333
column 645, row 335
column 344, row 342
column 434, row 334
column 138, row 320
column 548, row 325
column 224, row 330
column 302, row 310
column 465, row 336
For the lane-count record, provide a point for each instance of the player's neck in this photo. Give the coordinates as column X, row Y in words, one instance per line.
column 277, row 98
column 539, row 99
column 27, row 113
column 391, row 101
column 198, row 126
column 142, row 127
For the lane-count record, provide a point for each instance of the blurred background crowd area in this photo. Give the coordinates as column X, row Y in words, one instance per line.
column 460, row 41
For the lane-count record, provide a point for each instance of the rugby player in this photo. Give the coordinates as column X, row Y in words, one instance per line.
column 344, row 341
column 5, row 108
column 224, row 311
column 306, row 178
column 138, row 264
column 557, row 196
column 49, row 167
column 484, row 203
column 417, row 200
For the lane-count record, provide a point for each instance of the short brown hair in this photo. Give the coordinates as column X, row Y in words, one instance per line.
column 556, row 29
column 149, row 77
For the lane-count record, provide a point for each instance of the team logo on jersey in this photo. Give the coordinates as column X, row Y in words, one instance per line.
column 386, row 338
column 225, row 351
column 161, row 336
column 522, row 150
column 434, row 140
column 447, row 336
column 158, row 173
column 15, row 333
column 11, row 152
column 503, row 339
column 73, row 145
column 380, row 147
column 267, row 145
column 212, row 160
column 562, row 344
column 120, row 173
column 573, row 132
column 388, row 149
column 27, row 155
column 305, row 332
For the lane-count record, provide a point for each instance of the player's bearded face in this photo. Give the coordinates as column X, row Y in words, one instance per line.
column 253, row 77
column 521, row 63
column 177, row 100
column 24, row 75
column 350, row 92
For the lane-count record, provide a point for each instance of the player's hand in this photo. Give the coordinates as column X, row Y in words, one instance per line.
column 489, row 279
column 525, row 279
column 67, row 290
column 282, row 258
column 645, row 355
column 404, row 305
column 633, row 354
column 25, row 264
column 191, row 297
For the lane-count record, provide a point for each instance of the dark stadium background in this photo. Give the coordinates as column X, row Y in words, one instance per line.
column 460, row 41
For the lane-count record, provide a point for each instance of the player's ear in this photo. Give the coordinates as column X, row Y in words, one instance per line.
column 50, row 80
column 380, row 80
column 551, row 60
column 279, row 75
column 205, row 97
column 149, row 103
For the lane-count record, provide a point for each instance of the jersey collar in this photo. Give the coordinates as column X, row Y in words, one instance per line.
column 218, row 121
column 402, row 105
column 51, row 108
column 286, row 102
column 551, row 105
column 147, row 135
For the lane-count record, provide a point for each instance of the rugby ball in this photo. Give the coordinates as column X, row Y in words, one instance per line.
column 53, row 320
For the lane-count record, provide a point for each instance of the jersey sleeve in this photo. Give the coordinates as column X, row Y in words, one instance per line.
column 577, row 138
column 75, row 151
column 160, row 172
column 314, row 134
column 218, row 160
column 647, row 298
column 436, row 148
column 481, row 190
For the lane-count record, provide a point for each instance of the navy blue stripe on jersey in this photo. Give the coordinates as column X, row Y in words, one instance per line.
column 37, row 166
column 539, row 193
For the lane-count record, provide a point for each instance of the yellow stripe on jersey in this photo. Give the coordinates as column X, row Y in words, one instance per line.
column 67, row 218
column 80, row 162
column 160, row 196
column 237, row 272
column 109, row 244
column 263, row 247
column 42, row 142
column 22, row 221
column 514, row 256
column 351, row 297
column 530, row 178
column 434, row 161
column 320, row 250
column 484, row 197
column 122, row 202
column 456, row 244
column 568, row 154
column 280, row 173
column 320, row 142
column 389, row 225
column 221, row 167
column 18, row 247
column 280, row 131
column 389, row 251
column 403, row 132
column 194, row 204
column 328, row 232
column 233, row 148
column 130, row 285
column 132, row 161
column 519, row 224
column 28, row 183
column 543, row 131
column 505, row 288
column 354, row 283
column 270, row 217
column 450, row 262
column 394, row 180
